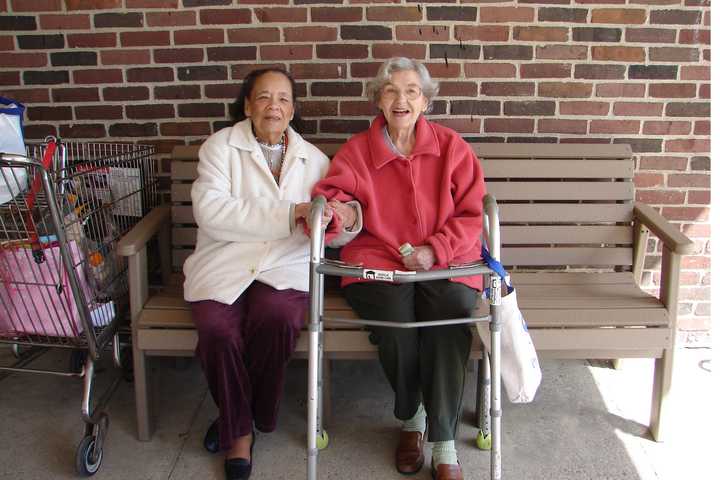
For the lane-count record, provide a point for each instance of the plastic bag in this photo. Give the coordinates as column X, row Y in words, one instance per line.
column 12, row 180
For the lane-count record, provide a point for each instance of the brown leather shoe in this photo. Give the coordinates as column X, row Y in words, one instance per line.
column 409, row 457
column 445, row 471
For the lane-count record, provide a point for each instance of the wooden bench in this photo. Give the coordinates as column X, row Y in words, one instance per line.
column 571, row 234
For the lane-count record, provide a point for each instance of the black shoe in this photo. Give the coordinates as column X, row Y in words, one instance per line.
column 240, row 468
column 212, row 438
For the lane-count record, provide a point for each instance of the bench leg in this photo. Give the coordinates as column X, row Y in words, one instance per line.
column 143, row 408
column 660, row 411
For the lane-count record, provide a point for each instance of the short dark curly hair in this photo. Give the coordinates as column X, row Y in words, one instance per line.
column 237, row 109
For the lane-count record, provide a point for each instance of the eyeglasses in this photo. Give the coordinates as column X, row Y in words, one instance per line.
column 390, row 92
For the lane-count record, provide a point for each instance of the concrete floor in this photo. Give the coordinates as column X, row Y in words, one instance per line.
column 587, row 422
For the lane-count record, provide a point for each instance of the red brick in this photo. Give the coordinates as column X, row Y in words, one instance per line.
column 619, row 54
column 3, row 6
column 23, row 60
column 615, row 126
column 695, row 262
column 483, row 33
column 663, row 163
column 80, row 130
column 691, row 72
column 39, row 132
column 650, row 35
column 624, row 16
column 663, row 127
column 177, row 92
column 509, row 125
column 458, row 89
column 660, row 197
column 318, row 70
column 204, row 36
column 339, row 50
column 286, row 52
column 620, row 90
column 702, row 127
column 501, row 89
column 117, row 94
column 336, row 15
column 540, row 34
column 152, row 110
column 489, row 70
column 694, row 36
column 216, row 91
column 99, row 112
column 461, row 125
column 281, row 14
column 65, row 22
column 599, row 71
column 564, row 89
column 686, row 213
column 7, row 42
column 551, row 125
column 699, row 197
column 171, row 19
column 696, row 230
column 125, row 57
column 98, row 76
column 84, row 40
column 152, row 3
column 672, row 90
column 9, row 78
column 423, row 33
column 46, row 114
column 671, row 54
column 647, row 180
column 178, row 129
column 562, row 52
column 687, row 145
column 394, row 14
column 343, row 126
column 506, row 14
column 684, row 180
column 92, row 4
column 387, row 50
column 239, row 71
column 311, row 34
column 545, row 70
column 704, row 90
column 586, row 2
column 443, row 70
column 364, row 69
column 178, row 55
column 218, row 16
column 318, row 108
column 357, row 108
column 675, row 17
column 28, row 95
column 584, row 108
column 140, row 39
column 222, row 54
column 254, row 35
column 38, row 5
column 638, row 109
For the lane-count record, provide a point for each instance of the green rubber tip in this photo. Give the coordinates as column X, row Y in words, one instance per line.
column 322, row 440
column 484, row 442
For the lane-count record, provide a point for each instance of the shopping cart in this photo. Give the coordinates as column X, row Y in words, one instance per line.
column 61, row 284
column 489, row 378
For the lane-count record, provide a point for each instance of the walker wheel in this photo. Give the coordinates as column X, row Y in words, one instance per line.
column 87, row 458
column 484, row 441
column 322, row 440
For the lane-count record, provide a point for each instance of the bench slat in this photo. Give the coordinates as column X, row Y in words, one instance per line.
column 541, row 150
column 575, row 256
column 564, row 213
column 540, row 168
column 565, row 234
column 561, row 191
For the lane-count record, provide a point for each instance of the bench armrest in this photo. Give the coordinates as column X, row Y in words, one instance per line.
column 673, row 238
column 135, row 240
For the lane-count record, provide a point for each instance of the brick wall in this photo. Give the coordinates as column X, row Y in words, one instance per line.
column 613, row 71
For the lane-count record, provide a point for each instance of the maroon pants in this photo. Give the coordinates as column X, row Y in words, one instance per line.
column 244, row 349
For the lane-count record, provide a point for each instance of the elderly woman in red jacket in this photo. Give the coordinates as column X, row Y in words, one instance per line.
column 417, row 183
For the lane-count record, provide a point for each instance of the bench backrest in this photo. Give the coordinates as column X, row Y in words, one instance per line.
column 561, row 205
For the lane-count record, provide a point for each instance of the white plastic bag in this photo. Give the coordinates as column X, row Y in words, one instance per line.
column 12, row 180
column 519, row 365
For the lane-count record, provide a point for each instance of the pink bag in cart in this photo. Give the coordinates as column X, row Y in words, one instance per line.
column 36, row 297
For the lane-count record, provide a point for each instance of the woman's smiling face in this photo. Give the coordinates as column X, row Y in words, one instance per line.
column 402, row 100
column 270, row 106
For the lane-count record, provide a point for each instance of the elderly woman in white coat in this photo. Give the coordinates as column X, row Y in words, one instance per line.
column 247, row 280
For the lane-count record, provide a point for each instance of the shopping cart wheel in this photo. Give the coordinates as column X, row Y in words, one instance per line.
column 484, row 441
column 87, row 458
column 323, row 440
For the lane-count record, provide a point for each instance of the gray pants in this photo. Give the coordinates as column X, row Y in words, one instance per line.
column 422, row 364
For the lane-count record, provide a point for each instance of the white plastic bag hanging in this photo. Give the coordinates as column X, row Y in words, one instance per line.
column 519, row 365
column 12, row 180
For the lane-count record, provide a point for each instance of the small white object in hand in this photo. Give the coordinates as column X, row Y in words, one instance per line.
column 406, row 249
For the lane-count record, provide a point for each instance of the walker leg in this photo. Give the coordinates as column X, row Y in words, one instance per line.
column 484, row 438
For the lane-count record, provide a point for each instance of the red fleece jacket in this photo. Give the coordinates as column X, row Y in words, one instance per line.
column 432, row 197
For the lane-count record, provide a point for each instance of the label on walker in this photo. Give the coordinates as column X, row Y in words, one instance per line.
column 379, row 275
column 495, row 292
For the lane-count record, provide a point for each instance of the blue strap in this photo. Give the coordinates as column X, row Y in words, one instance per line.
column 496, row 267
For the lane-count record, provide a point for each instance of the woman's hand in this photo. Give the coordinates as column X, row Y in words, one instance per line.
column 422, row 258
column 347, row 214
column 302, row 211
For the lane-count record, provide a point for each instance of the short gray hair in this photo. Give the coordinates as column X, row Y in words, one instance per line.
column 395, row 64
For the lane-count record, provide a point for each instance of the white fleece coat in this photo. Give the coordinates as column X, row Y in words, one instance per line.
column 243, row 216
